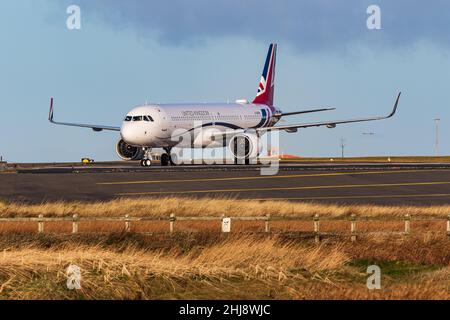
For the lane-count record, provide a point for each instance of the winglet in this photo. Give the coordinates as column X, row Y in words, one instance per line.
column 50, row 114
column 395, row 105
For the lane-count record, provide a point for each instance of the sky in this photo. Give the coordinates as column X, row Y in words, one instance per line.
column 130, row 52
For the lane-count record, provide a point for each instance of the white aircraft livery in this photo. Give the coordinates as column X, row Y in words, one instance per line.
column 234, row 125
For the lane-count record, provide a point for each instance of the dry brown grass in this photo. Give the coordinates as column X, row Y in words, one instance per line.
column 305, row 227
column 211, row 265
column 183, row 206
column 130, row 273
column 163, row 207
column 217, row 267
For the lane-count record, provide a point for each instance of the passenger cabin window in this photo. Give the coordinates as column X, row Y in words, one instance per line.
column 137, row 118
column 128, row 118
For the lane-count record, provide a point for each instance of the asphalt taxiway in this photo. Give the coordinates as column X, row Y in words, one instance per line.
column 394, row 183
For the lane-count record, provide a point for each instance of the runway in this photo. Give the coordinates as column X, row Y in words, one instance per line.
column 406, row 184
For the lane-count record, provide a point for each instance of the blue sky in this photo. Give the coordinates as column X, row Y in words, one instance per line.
column 129, row 52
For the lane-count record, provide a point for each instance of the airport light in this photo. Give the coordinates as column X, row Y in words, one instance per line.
column 342, row 146
column 436, row 121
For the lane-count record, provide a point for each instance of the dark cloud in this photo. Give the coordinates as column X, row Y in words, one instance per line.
column 313, row 25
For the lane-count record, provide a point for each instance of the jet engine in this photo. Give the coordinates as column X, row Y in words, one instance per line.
column 127, row 152
column 245, row 146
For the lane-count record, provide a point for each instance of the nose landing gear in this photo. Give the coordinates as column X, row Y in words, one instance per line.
column 147, row 160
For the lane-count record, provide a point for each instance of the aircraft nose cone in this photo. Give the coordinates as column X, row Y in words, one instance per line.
column 129, row 135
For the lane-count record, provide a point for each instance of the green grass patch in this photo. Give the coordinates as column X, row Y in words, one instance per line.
column 394, row 269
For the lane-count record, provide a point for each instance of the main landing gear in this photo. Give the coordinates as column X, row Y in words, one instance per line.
column 241, row 150
column 167, row 158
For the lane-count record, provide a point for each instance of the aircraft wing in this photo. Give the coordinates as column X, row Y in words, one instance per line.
column 294, row 127
column 94, row 127
column 284, row 114
column 329, row 124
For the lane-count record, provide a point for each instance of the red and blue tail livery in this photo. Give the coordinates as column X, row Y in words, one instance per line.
column 267, row 83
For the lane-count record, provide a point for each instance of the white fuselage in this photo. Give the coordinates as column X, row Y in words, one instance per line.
column 158, row 126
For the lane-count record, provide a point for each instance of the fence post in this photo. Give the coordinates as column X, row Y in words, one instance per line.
column 407, row 224
column 448, row 225
column 172, row 222
column 267, row 225
column 353, row 227
column 41, row 224
column 316, row 228
column 127, row 223
column 75, row 223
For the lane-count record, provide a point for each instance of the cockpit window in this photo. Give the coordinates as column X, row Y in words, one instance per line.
column 139, row 118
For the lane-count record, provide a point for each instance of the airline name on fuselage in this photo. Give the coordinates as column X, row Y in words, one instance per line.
column 195, row 113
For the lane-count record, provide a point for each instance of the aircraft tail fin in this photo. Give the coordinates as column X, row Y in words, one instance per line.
column 267, row 84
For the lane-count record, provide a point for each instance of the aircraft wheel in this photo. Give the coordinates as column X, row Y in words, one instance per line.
column 146, row 163
column 165, row 159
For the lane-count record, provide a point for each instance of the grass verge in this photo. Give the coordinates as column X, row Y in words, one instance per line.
column 215, row 206
column 212, row 266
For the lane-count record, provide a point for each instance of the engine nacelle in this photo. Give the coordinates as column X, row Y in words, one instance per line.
column 245, row 145
column 127, row 152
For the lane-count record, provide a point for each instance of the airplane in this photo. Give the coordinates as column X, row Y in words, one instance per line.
column 208, row 125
